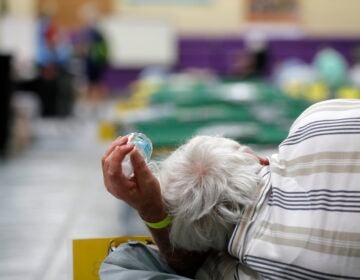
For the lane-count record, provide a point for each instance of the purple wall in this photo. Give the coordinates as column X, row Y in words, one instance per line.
column 218, row 54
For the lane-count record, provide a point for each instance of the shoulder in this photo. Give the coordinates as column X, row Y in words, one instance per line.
column 325, row 126
column 327, row 111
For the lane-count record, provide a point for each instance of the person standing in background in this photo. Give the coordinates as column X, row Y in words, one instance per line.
column 93, row 51
column 53, row 55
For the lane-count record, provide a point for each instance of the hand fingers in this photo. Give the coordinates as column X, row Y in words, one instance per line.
column 119, row 141
column 117, row 156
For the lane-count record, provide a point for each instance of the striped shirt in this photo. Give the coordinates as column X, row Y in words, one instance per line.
column 305, row 223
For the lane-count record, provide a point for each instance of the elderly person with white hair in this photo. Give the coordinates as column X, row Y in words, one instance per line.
column 217, row 210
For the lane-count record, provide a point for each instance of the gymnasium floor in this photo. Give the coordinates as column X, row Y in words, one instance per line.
column 51, row 194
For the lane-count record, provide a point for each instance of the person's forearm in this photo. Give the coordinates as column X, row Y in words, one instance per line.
column 184, row 262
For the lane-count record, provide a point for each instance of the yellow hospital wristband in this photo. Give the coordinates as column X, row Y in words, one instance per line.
column 160, row 225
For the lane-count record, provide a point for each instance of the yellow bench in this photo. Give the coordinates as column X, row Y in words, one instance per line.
column 88, row 254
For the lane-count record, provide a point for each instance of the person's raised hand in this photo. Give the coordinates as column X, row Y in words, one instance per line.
column 142, row 191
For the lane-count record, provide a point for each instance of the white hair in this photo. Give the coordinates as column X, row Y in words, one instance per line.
column 206, row 184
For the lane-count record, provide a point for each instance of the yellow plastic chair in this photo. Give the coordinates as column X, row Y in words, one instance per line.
column 88, row 254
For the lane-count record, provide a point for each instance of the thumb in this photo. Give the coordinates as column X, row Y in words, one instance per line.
column 141, row 170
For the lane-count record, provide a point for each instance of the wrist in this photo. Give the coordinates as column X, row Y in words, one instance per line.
column 153, row 214
column 162, row 224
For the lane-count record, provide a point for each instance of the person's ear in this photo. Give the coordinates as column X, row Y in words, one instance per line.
column 263, row 160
